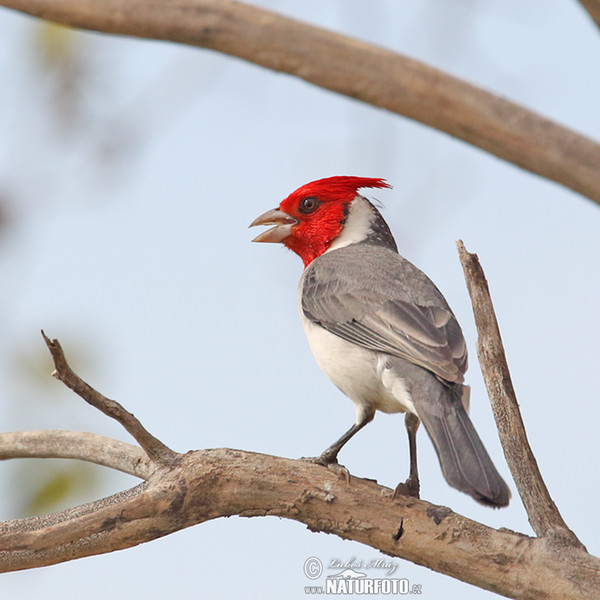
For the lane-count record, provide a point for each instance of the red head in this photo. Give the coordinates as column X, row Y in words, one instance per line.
column 310, row 218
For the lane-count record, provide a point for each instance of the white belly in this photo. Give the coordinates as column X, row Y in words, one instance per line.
column 361, row 374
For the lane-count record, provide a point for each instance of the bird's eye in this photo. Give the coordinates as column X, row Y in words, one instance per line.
column 308, row 205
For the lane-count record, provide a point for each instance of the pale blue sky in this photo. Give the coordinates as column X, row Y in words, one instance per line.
column 145, row 269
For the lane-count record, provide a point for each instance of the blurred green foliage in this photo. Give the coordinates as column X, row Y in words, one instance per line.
column 58, row 487
column 55, row 44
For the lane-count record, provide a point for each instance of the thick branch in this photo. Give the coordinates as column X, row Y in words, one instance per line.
column 543, row 514
column 214, row 483
column 82, row 445
column 350, row 67
column 154, row 448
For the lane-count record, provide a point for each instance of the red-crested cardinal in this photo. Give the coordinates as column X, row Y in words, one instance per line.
column 381, row 330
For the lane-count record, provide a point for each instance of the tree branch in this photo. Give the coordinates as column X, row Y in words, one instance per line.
column 81, row 445
column 214, row 483
column 154, row 448
column 350, row 67
column 593, row 8
column 543, row 514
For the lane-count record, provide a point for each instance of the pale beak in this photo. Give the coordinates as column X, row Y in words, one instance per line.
column 283, row 226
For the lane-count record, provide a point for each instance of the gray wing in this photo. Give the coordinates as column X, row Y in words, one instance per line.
column 375, row 298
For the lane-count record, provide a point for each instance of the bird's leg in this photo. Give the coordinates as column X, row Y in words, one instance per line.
column 329, row 456
column 411, row 486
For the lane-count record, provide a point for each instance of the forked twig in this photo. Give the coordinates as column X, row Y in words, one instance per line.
column 154, row 448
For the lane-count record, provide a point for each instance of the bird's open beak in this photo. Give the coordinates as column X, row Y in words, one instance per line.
column 283, row 226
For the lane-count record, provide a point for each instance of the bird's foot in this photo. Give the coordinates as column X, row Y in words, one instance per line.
column 410, row 487
column 329, row 462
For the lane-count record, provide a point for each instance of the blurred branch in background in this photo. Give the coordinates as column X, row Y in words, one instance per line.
column 356, row 69
column 593, row 7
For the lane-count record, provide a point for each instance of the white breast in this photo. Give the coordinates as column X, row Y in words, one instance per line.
column 362, row 375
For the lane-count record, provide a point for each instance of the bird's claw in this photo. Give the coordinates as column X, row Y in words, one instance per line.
column 410, row 487
column 320, row 460
column 339, row 470
column 331, row 464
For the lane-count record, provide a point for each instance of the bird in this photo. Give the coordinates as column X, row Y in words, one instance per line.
column 381, row 330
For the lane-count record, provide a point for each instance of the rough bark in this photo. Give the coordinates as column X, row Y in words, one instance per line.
column 214, row 483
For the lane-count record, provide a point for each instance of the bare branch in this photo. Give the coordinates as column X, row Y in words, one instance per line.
column 213, row 483
column 543, row 514
column 81, row 445
column 593, row 8
column 154, row 448
column 204, row 485
column 350, row 67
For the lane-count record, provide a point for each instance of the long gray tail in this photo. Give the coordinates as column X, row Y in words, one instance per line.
column 465, row 462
